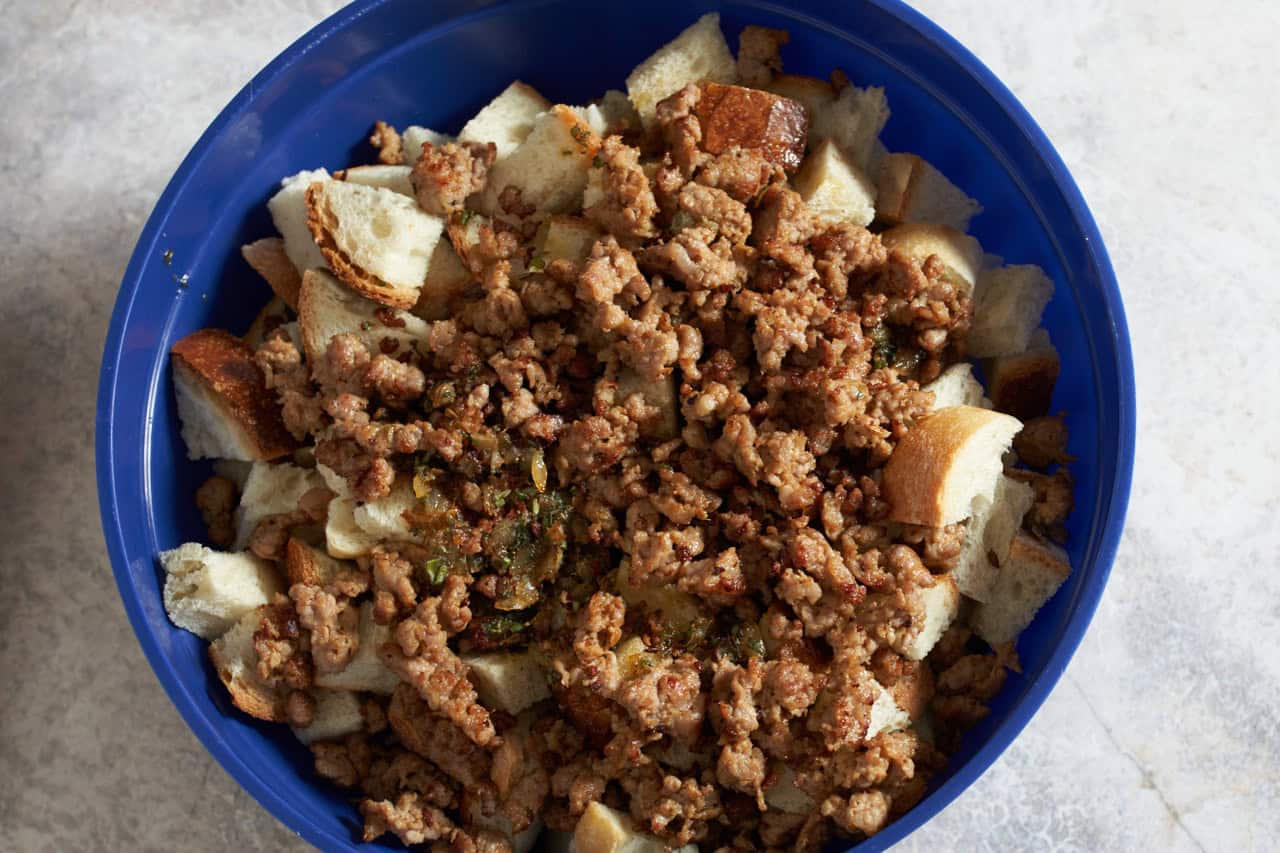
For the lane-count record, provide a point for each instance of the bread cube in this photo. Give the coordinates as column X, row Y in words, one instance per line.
column 365, row 672
column 989, row 535
column 661, row 395
column 308, row 565
column 1022, row 384
column 447, row 278
column 274, row 315
column 784, row 795
column 1029, row 577
column 337, row 714
column 207, row 591
column 835, row 189
column 289, row 212
column 605, row 830
column 549, row 168
column 414, row 138
column 568, row 237
column 959, row 253
column 507, row 681
column 956, row 386
column 886, row 716
column 1008, row 303
column 236, row 662
column 327, row 308
column 390, row 177
column 384, row 518
column 854, row 119
column 944, row 463
column 376, row 241
column 343, row 538
column 940, row 604
column 270, row 260
column 912, row 190
column 678, row 609
column 223, row 403
column 508, row 119
column 813, row 93
column 270, row 490
column 699, row 53
column 734, row 116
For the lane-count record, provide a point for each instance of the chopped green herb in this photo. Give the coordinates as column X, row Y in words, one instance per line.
column 366, row 325
column 464, row 217
column 580, row 135
column 884, row 349
column 435, row 571
column 537, row 263
column 597, row 161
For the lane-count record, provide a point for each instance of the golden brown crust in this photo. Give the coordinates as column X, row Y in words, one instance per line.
column 1022, row 385
column 248, row 693
column 323, row 223
column 223, row 364
column 272, row 316
column 301, row 564
column 268, row 259
column 734, row 116
column 917, row 474
column 1027, row 549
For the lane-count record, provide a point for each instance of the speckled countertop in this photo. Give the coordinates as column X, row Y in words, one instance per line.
column 1163, row 735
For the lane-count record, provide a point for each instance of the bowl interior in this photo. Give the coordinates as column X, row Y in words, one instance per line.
column 436, row 64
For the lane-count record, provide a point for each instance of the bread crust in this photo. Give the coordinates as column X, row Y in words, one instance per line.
column 1022, row 385
column 752, row 118
column 918, row 474
column 223, row 366
column 323, row 223
column 269, row 260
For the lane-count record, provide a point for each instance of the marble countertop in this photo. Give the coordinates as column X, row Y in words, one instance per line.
column 1163, row 734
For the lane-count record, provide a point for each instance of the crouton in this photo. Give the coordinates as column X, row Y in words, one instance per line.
column 223, row 402
column 207, row 591
column 990, row 533
column 886, row 716
column 508, row 119
column 393, row 177
column 549, row 168
column 326, row 308
column 305, row 564
column 737, row 117
column 236, row 662
column 270, row 490
column 1029, row 577
column 909, row 189
column 814, row 94
column 289, row 212
column 699, row 53
column 383, row 519
column 944, row 462
column 659, row 394
column 447, row 278
column 677, row 609
column 338, row 714
column 959, row 253
column 834, row 189
column 343, row 538
column 414, row 138
column 1022, row 384
column 365, row 672
column 1007, row 306
column 507, row 681
column 619, row 113
column 854, row 119
column 568, row 237
column 270, row 260
column 274, row 315
column 940, row 604
column 605, row 830
column 957, row 387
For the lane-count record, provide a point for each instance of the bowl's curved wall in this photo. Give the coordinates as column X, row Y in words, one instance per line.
column 435, row 64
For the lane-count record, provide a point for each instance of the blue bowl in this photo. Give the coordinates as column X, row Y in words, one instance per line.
column 437, row 63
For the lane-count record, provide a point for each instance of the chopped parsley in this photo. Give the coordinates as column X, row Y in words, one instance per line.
column 435, row 571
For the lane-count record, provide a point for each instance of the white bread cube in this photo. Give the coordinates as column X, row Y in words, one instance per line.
column 886, row 716
column 207, row 591
column 447, row 278
column 854, row 119
column 507, row 681
column 507, row 120
column 343, row 538
column 270, row 490
column 289, row 212
column 236, row 662
column 945, row 462
column 784, row 795
column 337, row 715
column 568, row 237
column 223, row 402
column 334, row 482
column 660, row 394
column 270, row 260
column 1029, row 577
column 235, row 470
column 989, row 535
column 376, row 241
column 1022, row 384
column 594, row 117
column 834, row 188
column 391, row 177
column 384, row 518
column 308, row 565
column 414, row 138
column 814, row 93
column 365, row 672
column 959, row 253
column 956, row 386
column 1008, row 303
column 941, row 604
column 326, row 308
column 618, row 112
column 698, row 53
column 678, row 609
column 550, row 167
column 274, row 315
column 605, row 830
column 912, row 190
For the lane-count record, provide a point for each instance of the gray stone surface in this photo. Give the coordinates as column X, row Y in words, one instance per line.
column 1163, row 734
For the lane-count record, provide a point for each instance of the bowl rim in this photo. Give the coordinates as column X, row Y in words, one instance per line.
column 978, row 763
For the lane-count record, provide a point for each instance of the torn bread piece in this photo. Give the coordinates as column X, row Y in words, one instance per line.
column 785, row 795
column 549, row 168
column 289, row 212
column 699, row 53
column 236, row 661
column 957, row 387
column 338, row 713
column 366, row 671
column 383, row 519
column 1022, row 384
column 605, row 830
column 390, row 177
column 834, row 188
column 886, row 716
column 659, row 396
column 223, row 403
column 507, row 681
column 989, row 535
column 270, row 260
column 1007, row 306
column 619, row 114
column 447, row 278
column 854, row 119
column 343, row 538
column 376, row 241
column 959, row 253
column 944, row 462
column 676, row 608
column 909, row 189
column 274, row 315
column 270, row 490
column 570, row 237
column 326, row 308
column 414, row 138
column 932, row 610
column 208, row 591
column 309, row 565
column 508, row 119
column 813, row 93
column 1029, row 577
column 737, row 117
